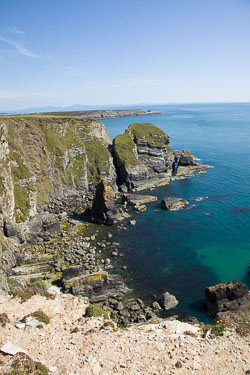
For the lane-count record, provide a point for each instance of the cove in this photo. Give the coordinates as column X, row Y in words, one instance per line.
column 209, row 241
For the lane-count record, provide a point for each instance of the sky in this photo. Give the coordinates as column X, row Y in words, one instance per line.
column 99, row 52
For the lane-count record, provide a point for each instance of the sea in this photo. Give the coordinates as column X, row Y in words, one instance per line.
column 208, row 242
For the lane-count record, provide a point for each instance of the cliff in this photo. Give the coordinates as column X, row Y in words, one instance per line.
column 50, row 164
column 53, row 164
column 142, row 157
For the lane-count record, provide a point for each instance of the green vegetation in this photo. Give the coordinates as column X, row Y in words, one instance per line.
column 124, row 149
column 40, row 316
column 1, row 185
column 98, row 159
column 20, row 171
column 216, row 329
column 22, row 204
column 38, row 287
column 149, row 133
column 4, row 247
column 41, row 369
column 4, row 319
column 56, row 151
column 94, row 311
column 24, row 365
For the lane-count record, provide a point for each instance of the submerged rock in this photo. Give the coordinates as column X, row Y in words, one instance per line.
column 227, row 296
column 173, row 203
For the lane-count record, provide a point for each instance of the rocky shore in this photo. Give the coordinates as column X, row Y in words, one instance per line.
column 59, row 272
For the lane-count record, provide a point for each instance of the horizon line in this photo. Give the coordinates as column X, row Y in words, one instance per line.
column 123, row 105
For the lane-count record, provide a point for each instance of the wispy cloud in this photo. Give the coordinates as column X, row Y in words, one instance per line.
column 15, row 30
column 19, row 48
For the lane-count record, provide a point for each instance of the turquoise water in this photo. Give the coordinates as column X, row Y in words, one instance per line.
column 185, row 251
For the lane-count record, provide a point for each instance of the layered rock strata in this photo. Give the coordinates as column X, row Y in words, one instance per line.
column 228, row 296
column 50, row 164
column 142, row 157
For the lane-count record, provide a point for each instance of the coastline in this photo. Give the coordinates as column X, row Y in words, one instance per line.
column 91, row 114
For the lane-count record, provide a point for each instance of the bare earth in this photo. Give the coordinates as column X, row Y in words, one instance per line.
column 167, row 348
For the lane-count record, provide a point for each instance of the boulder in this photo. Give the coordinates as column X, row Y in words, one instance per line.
column 168, row 301
column 173, row 203
column 10, row 231
column 42, row 226
column 138, row 199
column 227, row 296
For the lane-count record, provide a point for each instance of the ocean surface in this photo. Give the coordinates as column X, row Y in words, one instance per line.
column 185, row 251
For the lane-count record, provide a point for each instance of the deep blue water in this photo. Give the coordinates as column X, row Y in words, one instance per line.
column 185, row 251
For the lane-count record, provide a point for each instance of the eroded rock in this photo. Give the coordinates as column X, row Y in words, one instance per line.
column 98, row 286
column 173, row 203
column 227, row 296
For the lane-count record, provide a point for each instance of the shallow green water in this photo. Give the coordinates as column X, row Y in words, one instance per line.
column 185, row 251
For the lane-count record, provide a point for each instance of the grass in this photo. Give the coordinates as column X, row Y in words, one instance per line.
column 38, row 287
column 140, row 130
column 94, row 311
column 2, row 188
column 40, row 316
column 64, row 146
column 149, row 133
column 22, row 204
column 216, row 329
column 124, row 150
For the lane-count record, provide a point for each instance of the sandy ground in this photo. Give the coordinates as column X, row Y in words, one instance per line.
column 167, row 348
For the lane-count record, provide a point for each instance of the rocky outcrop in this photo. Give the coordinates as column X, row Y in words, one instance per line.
column 184, row 158
column 98, row 286
column 115, row 113
column 138, row 201
column 173, row 203
column 142, row 157
column 228, row 296
column 105, row 209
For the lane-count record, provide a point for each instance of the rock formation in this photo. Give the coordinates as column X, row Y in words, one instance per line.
column 173, row 203
column 105, row 209
column 98, row 287
column 142, row 157
column 228, row 296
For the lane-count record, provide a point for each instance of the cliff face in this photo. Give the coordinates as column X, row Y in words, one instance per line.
column 50, row 164
column 142, row 157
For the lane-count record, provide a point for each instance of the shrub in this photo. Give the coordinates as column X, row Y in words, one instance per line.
column 40, row 316
column 94, row 311
column 216, row 329
column 4, row 319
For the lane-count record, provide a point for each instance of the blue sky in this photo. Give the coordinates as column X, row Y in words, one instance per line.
column 58, row 52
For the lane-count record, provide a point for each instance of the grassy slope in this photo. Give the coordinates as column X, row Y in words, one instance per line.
column 38, row 144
